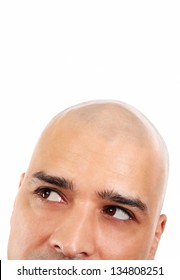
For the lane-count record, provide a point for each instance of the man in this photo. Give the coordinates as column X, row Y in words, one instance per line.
column 94, row 188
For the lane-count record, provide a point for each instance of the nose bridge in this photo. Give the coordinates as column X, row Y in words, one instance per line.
column 76, row 234
column 80, row 221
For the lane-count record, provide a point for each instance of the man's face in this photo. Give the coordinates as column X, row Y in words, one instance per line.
column 85, row 197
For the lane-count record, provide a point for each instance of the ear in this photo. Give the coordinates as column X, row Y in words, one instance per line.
column 21, row 179
column 159, row 230
column 20, row 184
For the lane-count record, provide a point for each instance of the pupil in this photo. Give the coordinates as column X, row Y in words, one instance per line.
column 45, row 193
column 112, row 211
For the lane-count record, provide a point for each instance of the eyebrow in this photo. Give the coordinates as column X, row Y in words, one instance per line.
column 54, row 180
column 117, row 198
column 110, row 195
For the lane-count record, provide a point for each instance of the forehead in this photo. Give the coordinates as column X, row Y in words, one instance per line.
column 84, row 155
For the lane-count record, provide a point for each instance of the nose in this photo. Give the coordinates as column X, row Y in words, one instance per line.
column 75, row 236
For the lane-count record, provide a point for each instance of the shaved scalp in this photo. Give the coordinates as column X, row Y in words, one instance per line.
column 116, row 122
column 112, row 119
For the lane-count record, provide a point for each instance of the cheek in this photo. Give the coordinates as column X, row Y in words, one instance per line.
column 28, row 229
column 128, row 242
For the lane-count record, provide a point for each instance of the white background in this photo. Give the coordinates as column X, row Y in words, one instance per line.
column 54, row 54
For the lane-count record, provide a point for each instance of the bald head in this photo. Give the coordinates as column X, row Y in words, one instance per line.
column 117, row 123
column 94, row 188
column 111, row 119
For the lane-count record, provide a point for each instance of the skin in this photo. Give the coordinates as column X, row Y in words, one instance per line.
column 94, row 188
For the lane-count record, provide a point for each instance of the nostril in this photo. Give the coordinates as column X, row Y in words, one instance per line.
column 57, row 248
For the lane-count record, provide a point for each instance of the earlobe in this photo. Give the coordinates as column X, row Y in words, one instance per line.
column 21, row 179
column 159, row 230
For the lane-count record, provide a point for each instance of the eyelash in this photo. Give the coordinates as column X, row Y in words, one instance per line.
column 41, row 190
column 126, row 211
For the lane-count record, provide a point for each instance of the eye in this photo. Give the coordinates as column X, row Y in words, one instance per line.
column 118, row 213
column 49, row 194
